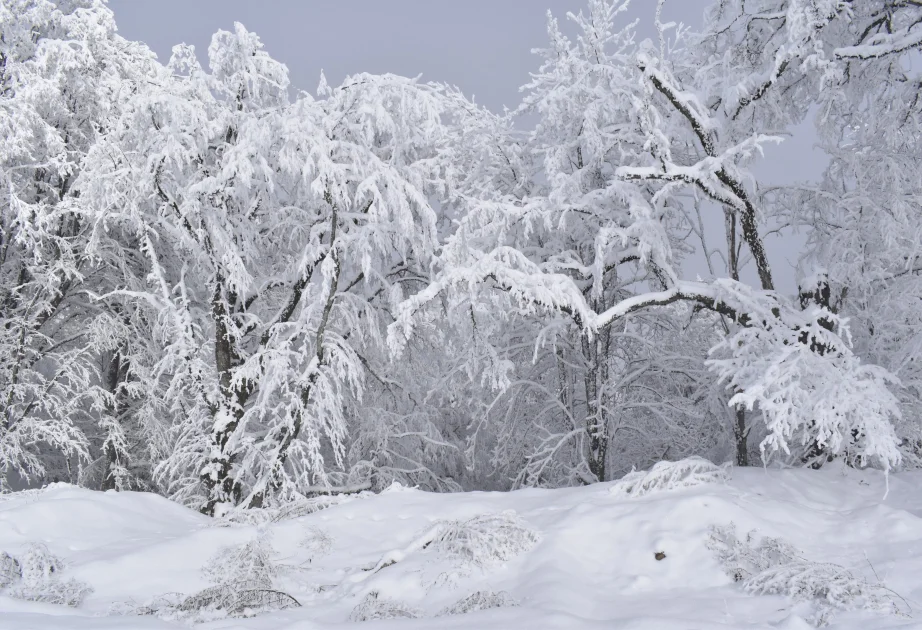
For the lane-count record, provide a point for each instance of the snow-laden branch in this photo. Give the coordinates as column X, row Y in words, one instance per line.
column 884, row 44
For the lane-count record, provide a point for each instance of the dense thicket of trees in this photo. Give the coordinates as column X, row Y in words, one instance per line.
column 219, row 290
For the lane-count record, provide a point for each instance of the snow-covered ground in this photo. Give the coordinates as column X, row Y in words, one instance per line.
column 591, row 564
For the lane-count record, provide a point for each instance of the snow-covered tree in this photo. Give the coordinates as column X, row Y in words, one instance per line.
column 276, row 236
column 237, row 295
column 64, row 74
column 629, row 134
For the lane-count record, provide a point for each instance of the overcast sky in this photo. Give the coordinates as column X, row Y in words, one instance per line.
column 482, row 46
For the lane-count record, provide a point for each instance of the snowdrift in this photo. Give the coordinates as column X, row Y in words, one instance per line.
column 729, row 548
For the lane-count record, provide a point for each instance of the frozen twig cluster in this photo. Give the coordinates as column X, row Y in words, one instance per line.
column 772, row 566
column 373, row 606
column 481, row 600
column 35, row 575
column 664, row 476
column 243, row 578
column 485, row 540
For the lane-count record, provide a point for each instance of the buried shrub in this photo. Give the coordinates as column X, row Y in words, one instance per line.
column 10, row 571
column 830, row 586
column 317, row 542
column 35, row 576
column 771, row 566
column 479, row 541
column 741, row 559
column 243, row 576
column 283, row 512
column 485, row 539
column 373, row 606
column 250, row 564
column 234, row 600
column 481, row 600
column 686, row 473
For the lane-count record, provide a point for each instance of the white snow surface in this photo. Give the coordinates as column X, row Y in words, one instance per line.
column 592, row 567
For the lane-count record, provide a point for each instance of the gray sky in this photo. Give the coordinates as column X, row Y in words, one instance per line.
column 482, row 46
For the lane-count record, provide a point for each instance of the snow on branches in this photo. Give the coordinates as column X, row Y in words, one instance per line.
column 236, row 295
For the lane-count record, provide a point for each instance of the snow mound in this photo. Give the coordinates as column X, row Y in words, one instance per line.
column 824, row 547
column 686, row 473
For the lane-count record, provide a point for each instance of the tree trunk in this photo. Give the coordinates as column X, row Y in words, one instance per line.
column 596, row 424
column 115, row 374
column 741, row 435
column 221, row 488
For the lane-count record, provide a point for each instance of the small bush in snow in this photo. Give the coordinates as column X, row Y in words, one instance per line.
column 217, row 602
column 70, row 592
column 250, row 563
column 375, row 607
column 686, row 473
column 829, row 585
column 771, row 566
column 35, row 576
column 485, row 539
column 479, row 541
column 316, row 542
column 481, row 600
column 10, row 571
column 284, row 512
column 38, row 565
column 741, row 559
column 243, row 576
column 234, row 600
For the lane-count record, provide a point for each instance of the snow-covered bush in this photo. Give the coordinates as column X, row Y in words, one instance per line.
column 250, row 564
column 234, row 600
column 830, row 586
column 217, row 602
column 10, row 571
column 481, row 541
column 374, row 607
column 243, row 587
column 741, row 559
column 317, row 542
column 685, row 473
column 481, row 600
column 35, row 576
column 772, row 566
column 70, row 592
column 38, row 565
column 285, row 511
column 485, row 539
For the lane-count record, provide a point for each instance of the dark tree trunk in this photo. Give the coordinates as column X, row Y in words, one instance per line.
column 116, row 373
column 217, row 478
column 741, row 435
column 596, row 423
column 815, row 454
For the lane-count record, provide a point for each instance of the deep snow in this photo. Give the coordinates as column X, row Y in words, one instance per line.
column 593, row 567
